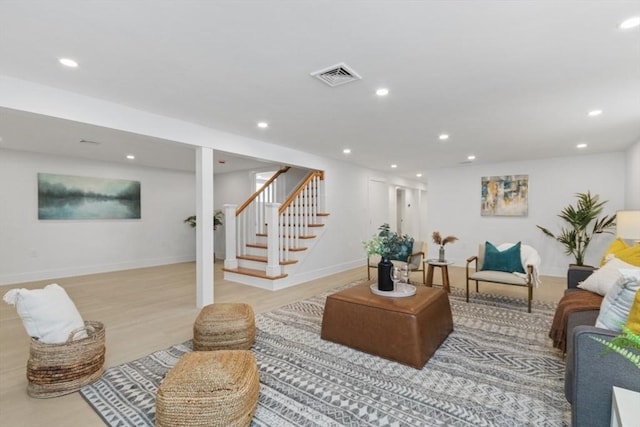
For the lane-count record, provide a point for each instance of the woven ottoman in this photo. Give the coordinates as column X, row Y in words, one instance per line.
column 209, row 388
column 224, row 326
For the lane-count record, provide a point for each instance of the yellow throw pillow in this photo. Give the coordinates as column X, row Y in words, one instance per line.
column 633, row 321
column 630, row 255
column 615, row 247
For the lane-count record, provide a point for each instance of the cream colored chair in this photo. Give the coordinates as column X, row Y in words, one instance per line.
column 527, row 279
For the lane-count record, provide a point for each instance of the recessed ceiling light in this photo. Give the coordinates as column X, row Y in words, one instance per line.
column 130, row 156
column 382, row 91
column 67, row 62
column 581, row 145
column 419, row 175
column 346, row 151
column 394, row 166
column 263, row 125
column 471, row 157
column 630, row 23
column 594, row 113
column 443, row 136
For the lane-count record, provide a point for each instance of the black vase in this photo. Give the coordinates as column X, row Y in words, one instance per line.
column 384, row 275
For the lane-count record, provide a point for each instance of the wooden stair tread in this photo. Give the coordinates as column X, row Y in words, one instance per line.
column 253, row 273
column 264, row 259
column 310, row 236
column 264, row 246
column 302, row 225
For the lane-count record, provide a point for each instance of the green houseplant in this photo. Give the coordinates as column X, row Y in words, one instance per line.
column 624, row 344
column 217, row 219
column 388, row 245
column 579, row 232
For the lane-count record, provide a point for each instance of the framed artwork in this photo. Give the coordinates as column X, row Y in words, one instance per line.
column 506, row 195
column 79, row 197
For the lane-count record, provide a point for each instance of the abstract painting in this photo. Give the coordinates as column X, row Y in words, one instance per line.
column 79, row 197
column 506, row 195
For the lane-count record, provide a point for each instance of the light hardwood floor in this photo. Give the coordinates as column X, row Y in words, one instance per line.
column 149, row 309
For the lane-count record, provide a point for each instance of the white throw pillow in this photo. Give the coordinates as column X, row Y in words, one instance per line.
column 605, row 277
column 616, row 305
column 47, row 314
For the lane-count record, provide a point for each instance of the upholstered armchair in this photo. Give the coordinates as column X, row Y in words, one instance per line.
column 501, row 271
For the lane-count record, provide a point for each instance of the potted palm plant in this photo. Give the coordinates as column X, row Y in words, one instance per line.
column 217, row 219
column 583, row 225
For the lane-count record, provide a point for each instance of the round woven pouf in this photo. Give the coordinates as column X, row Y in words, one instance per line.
column 224, row 326
column 210, row 388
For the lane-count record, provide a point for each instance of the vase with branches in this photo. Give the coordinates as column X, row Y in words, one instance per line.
column 388, row 245
column 579, row 232
column 439, row 240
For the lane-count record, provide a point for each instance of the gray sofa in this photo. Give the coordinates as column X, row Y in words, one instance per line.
column 590, row 376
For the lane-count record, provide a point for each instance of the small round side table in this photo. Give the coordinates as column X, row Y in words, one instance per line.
column 444, row 268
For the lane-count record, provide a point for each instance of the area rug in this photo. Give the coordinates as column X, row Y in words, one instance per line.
column 497, row 368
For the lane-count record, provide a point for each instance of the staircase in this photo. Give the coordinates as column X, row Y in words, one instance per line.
column 267, row 240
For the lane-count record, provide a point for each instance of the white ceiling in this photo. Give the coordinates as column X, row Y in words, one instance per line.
column 508, row 80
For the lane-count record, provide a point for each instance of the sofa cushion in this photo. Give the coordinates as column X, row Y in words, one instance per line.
column 605, row 277
column 498, row 277
column 616, row 305
column 617, row 245
column 633, row 321
column 508, row 261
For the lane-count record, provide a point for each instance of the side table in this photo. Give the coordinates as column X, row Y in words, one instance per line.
column 624, row 407
column 444, row 268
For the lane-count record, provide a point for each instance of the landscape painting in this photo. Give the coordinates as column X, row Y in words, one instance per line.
column 78, row 197
column 505, row 195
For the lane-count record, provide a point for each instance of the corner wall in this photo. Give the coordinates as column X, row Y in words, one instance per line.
column 31, row 249
column 632, row 194
column 454, row 205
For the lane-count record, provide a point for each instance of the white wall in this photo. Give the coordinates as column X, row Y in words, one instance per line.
column 31, row 249
column 632, row 194
column 454, row 205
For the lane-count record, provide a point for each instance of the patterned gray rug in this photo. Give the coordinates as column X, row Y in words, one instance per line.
column 496, row 369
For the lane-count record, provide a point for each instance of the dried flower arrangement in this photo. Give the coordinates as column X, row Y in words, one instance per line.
column 437, row 239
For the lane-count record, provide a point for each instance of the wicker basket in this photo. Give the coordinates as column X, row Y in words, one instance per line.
column 57, row 369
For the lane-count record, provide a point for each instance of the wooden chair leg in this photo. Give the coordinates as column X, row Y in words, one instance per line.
column 477, row 286
column 368, row 272
column 530, row 297
column 467, row 290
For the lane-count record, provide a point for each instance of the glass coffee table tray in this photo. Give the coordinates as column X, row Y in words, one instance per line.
column 400, row 290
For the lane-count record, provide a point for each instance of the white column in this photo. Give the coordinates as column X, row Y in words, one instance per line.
column 204, row 229
column 230, row 260
column 273, row 260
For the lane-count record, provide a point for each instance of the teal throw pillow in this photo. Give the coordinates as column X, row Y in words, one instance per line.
column 508, row 260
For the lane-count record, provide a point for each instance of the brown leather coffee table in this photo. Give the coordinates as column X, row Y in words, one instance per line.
column 407, row 330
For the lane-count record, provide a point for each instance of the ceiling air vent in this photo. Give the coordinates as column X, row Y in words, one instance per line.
column 336, row 75
column 86, row 141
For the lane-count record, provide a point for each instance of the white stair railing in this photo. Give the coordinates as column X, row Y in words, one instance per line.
column 296, row 214
column 283, row 224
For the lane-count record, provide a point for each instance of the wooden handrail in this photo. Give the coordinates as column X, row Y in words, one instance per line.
column 299, row 189
column 264, row 186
